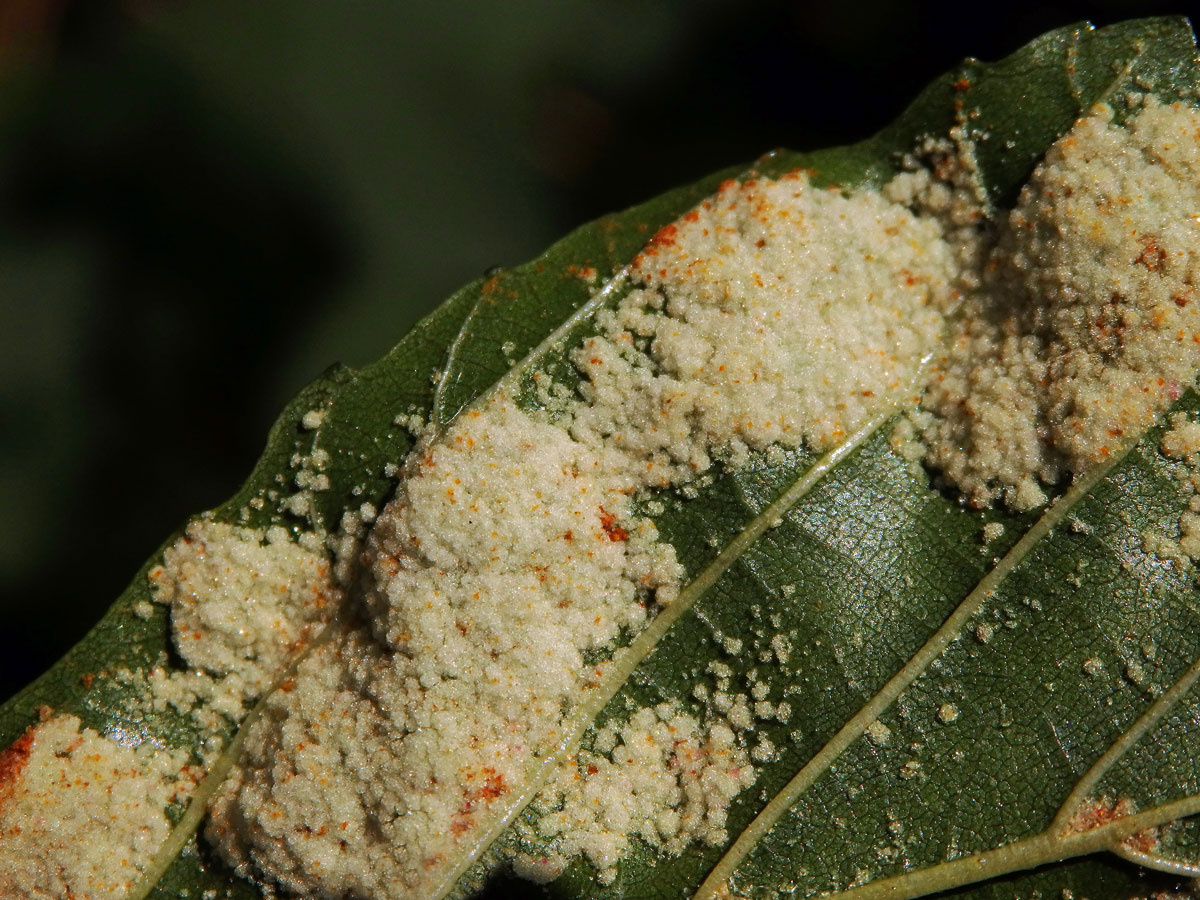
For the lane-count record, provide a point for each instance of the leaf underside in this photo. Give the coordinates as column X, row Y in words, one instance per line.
column 862, row 570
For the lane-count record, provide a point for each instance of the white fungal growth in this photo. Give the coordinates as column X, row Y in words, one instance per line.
column 1086, row 324
column 243, row 600
column 509, row 551
column 313, row 419
column 664, row 777
column 878, row 733
column 81, row 815
column 1182, row 440
column 1181, row 443
column 774, row 313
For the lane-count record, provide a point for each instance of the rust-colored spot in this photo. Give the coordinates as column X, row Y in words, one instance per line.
column 1098, row 812
column 1152, row 255
column 1144, row 841
column 13, row 760
column 664, row 237
column 609, row 523
column 493, row 787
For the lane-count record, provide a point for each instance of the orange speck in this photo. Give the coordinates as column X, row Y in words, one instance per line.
column 13, row 759
column 609, row 523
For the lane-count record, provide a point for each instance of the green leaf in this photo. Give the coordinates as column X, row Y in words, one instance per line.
column 894, row 607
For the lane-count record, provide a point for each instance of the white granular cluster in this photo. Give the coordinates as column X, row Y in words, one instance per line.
column 81, row 815
column 775, row 312
column 512, row 538
column 1182, row 440
column 661, row 776
column 243, row 600
column 509, row 551
column 1181, row 443
column 1087, row 322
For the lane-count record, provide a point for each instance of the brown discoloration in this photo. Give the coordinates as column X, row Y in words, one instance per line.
column 1152, row 255
column 609, row 523
column 13, row 761
column 1098, row 812
column 493, row 786
column 1145, row 841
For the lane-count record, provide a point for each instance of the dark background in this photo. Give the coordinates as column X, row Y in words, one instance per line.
column 202, row 205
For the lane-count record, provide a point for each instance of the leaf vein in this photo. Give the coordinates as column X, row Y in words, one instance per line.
column 857, row 725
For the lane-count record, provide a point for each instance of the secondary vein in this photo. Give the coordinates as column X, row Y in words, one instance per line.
column 626, row 661
column 920, row 661
column 1056, row 842
column 189, row 822
column 1144, row 724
